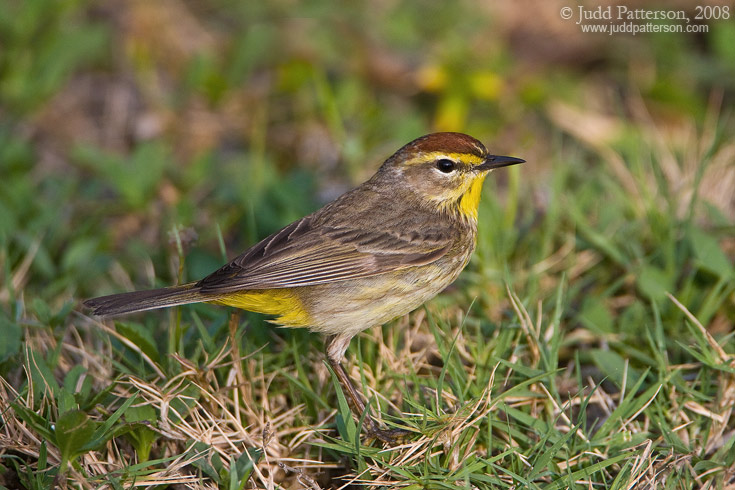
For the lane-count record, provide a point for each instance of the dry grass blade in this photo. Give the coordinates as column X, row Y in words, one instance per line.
column 721, row 354
column 20, row 275
column 128, row 343
column 527, row 325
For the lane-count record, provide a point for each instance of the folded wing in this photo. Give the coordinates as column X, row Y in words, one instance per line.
column 302, row 255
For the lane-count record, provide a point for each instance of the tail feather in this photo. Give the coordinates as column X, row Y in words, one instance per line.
column 123, row 303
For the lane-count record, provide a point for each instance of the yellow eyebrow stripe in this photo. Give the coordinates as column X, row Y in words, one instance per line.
column 435, row 155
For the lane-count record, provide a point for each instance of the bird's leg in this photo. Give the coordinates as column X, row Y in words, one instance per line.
column 335, row 347
column 356, row 402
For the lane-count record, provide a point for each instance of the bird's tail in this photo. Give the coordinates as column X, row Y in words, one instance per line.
column 123, row 303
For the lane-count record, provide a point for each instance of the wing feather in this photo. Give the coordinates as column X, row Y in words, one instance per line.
column 303, row 254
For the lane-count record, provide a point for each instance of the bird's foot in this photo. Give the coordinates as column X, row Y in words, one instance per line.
column 389, row 436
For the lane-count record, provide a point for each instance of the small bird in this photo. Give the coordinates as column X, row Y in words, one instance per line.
column 373, row 254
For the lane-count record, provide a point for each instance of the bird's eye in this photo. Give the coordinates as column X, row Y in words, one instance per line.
column 445, row 165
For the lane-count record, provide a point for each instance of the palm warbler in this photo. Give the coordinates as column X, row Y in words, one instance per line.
column 373, row 254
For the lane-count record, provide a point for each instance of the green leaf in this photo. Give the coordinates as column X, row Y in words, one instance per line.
column 585, row 473
column 42, row 310
column 614, row 367
column 105, row 431
column 76, row 256
column 11, row 335
column 71, row 379
column 709, row 254
column 141, row 436
column 546, row 455
column 66, row 401
column 135, row 178
column 74, row 430
column 140, row 336
column 42, row 379
column 242, row 468
column 628, row 407
column 654, row 282
column 596, row 316
column 211, row 466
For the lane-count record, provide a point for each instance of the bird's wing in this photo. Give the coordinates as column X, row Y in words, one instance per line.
column 302, row 254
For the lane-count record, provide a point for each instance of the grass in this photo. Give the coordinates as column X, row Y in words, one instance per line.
column 589, row 344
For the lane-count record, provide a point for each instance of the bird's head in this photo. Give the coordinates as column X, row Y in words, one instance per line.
column 444, row 169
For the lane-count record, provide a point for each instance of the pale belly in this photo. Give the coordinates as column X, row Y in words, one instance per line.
column 348, row 307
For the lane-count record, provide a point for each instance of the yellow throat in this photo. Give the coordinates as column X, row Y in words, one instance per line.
column 470, row 200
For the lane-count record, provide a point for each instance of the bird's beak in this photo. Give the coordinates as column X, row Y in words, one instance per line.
column 495, row 161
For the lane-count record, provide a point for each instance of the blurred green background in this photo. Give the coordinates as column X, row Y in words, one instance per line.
column 142, row 143
column 121, row 121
